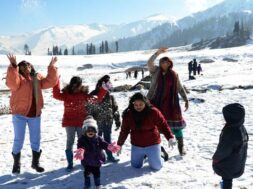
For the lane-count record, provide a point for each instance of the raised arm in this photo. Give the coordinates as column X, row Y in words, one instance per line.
column 57, row 92
column 13, row 77
column 151, row 61
column 52, row 75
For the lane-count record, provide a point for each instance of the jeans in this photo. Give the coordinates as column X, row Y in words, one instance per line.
column 71, row 132
column 19, row 124
column 153, row 154
column 106, row 131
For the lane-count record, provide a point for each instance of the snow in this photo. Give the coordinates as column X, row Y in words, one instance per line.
column 204, row 119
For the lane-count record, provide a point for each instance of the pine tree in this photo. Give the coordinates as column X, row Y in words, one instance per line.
column 66, row 51
column 73, row 51
column 26, row 49
column 117, row 46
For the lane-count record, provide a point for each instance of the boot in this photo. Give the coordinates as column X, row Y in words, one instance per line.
column 165, row 155
column 112, row 159
column 35, row 161
column 69, row 156
column 180, row 145
column 16, row 165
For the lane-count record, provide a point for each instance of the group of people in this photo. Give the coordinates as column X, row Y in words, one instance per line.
column 90, row 116
column 194, row 67
column 128, row 74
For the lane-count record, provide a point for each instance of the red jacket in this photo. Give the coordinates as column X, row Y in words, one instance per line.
column 74, row 105
column 149, row 133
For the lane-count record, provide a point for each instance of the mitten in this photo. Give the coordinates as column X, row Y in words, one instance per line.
column 113, row 147
column 79, row 154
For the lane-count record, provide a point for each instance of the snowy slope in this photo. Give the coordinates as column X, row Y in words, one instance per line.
column 204, row 121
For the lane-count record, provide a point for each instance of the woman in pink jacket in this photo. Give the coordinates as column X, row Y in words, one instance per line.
column 26, row 103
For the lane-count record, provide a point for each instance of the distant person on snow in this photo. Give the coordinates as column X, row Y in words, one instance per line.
column 231, row 153
column 104, row 113
column 90, row 152
column 190, row 69
column 75, row 96
column 26, row 103
column 199, row 69
column 144, row 123
column 194, row 66
column 135, row 74
column 163, row 94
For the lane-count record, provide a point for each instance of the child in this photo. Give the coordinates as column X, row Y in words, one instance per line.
column 230, row 156
column 75, row 96
column 90, row 151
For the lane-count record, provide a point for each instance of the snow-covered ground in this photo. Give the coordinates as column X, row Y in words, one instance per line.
column 204, row 121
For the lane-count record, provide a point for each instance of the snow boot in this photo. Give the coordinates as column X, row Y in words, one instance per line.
column 165, row 155
column 35, row 161
column 180, row 145
column 16, row 165
column 69, row 156
column 112, row 159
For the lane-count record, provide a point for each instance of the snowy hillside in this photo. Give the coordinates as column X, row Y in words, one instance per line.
column 218, row 86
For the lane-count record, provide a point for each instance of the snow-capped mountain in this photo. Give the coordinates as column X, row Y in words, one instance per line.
column 69, row 36
column 220, row 10
column 213, row 22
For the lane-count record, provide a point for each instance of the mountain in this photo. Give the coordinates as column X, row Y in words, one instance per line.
column 77, row 35
column 213, row 22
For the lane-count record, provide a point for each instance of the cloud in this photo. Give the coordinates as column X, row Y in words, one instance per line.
column 199, row 5
column 31, row 4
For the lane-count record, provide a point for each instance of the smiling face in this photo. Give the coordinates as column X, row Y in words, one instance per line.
column 25, row 68
column 91, row 132
column 139, row 105
column 165, row 65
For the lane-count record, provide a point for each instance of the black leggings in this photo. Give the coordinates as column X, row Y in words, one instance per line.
column 227, row 183
column 94, row 170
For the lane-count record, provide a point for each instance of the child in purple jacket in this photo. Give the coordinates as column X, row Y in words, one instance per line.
column 90, row 151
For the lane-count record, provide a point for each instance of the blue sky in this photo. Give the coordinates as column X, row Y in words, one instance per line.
column 20, row 16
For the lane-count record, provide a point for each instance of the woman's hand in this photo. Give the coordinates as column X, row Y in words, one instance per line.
column 12, row 60
column 161, row 50
column 53, row 61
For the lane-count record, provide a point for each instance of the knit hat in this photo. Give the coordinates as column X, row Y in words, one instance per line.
column 89, row 122
column 233, row 113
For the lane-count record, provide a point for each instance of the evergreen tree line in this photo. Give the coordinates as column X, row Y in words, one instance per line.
column 91, row 48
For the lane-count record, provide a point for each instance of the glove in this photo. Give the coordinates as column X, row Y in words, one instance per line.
column 79, row 153
column 107, row 86
column 172, row 143
column 113, row 147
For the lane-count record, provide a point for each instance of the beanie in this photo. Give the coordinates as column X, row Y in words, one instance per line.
column 89, row 122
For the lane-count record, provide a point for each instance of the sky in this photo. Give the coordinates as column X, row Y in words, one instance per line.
column 20, row 16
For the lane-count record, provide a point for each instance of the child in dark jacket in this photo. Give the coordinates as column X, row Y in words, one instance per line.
column 90, row 151
column 231, row 153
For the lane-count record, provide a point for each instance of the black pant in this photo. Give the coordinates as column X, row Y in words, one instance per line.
column 92, row 170
column 227, row 183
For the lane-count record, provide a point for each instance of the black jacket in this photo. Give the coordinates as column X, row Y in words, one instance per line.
column 230, row 156
column 105, row 112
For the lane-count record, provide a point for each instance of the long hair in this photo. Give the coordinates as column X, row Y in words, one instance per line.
column 75, row 82
column 105, row 79
column 137, row 96
column 25, row 63
column 166, row 59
